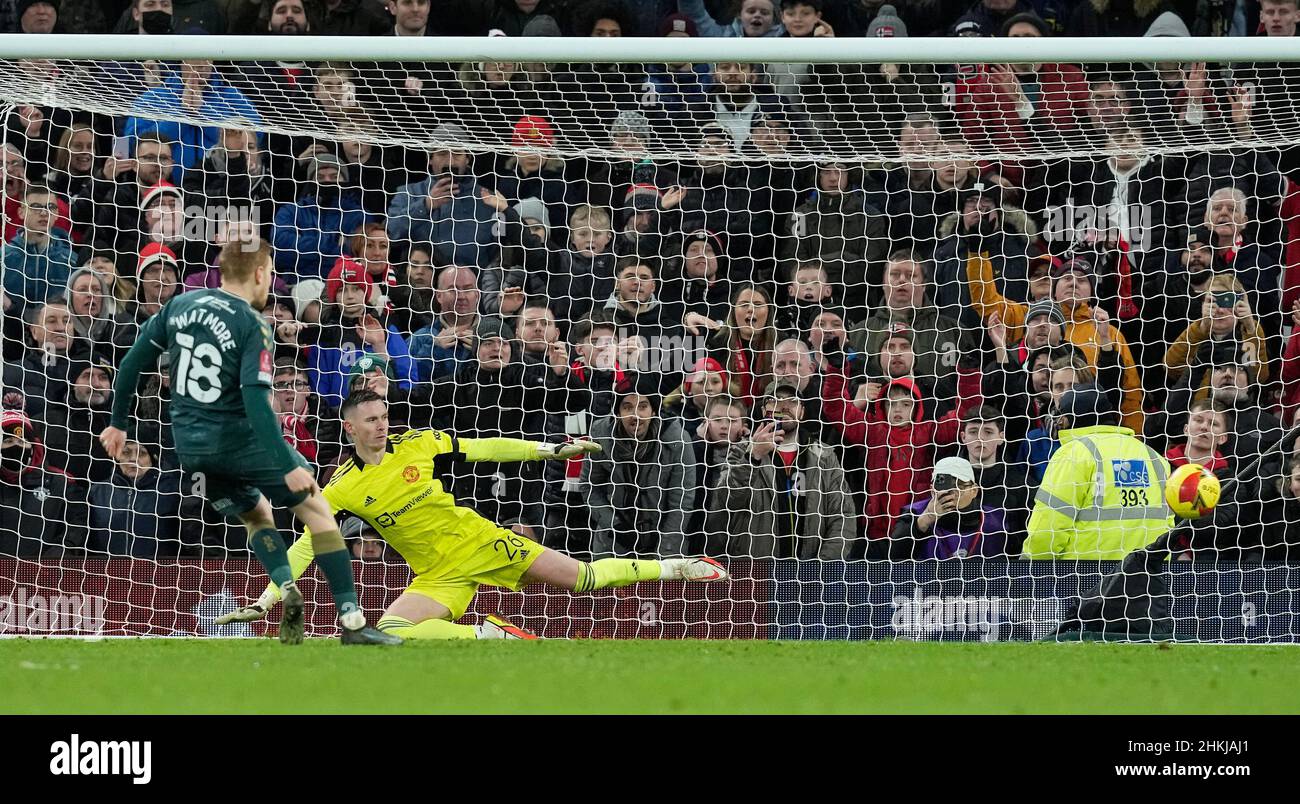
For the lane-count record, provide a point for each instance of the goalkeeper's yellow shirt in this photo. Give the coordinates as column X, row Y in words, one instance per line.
column 403, row 499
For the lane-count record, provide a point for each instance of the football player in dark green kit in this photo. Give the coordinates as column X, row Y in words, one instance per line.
column 228, row 434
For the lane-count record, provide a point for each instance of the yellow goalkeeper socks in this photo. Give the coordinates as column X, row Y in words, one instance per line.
column 425, row 629
column 611, row 572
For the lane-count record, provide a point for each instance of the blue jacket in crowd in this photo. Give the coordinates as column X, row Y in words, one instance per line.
column 329, row 366
column 33, row 275
column 463, row 232
column 308, row 238
column 223, row 105
column 432, row 361
column 137, row 519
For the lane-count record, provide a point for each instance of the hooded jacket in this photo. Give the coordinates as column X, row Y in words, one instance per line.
column 107, row 330
column 1008, row 250
column 42, row 509
column 136, row 518
column 309, row 238
column 900, row 459
column 1102, row 497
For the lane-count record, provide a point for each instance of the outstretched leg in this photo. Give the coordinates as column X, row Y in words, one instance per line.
column 557, row 569
column 416, row 616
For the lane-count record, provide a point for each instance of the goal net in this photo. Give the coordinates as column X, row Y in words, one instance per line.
column 826, row 318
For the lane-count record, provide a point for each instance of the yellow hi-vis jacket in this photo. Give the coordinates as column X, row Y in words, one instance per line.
column 1102, row 497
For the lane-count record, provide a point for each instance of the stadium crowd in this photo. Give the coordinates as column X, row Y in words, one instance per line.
column 798, row 321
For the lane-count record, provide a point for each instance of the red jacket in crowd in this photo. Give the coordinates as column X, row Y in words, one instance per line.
column 988, row 114
column 899, row 459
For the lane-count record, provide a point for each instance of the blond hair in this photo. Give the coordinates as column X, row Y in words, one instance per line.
column 241, row 257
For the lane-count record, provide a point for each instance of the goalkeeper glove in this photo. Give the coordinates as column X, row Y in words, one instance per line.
column 563, row 452
column 253, row 611
column 247, row 614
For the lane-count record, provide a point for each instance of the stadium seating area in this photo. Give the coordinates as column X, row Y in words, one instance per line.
column 779, row 295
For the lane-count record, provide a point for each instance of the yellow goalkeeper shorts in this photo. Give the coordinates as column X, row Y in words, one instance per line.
column 498, row 557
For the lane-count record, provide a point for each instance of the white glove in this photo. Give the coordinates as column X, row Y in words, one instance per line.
column 247, row 614
column 563, row 452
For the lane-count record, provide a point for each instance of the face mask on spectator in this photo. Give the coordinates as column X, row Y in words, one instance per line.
column 328, row 194
column 156, row 22
column 13, row 457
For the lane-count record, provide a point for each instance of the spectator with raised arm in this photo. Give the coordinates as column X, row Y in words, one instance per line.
column 984, row 223
column 1234, row 238
column 195, row 91
column 1226, row 317
column 755, row 18
column 440, row 348
column 114, row 200
column 1010, row 107
column 447, row 208
column 1088, row 328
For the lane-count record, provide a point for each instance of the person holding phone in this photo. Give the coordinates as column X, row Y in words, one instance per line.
column 1226, row 316
column 791, row 485
column 950, row 523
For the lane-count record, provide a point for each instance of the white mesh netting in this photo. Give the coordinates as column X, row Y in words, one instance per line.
column 777, row 294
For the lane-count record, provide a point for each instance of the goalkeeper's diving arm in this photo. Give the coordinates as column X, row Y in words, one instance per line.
column 506, row 450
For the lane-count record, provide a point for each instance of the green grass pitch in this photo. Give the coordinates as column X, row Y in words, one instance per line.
column 321, row 676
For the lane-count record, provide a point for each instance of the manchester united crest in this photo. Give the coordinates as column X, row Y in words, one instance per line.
column 411, row 474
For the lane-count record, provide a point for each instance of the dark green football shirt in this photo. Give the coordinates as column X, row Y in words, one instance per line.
column 218, row 345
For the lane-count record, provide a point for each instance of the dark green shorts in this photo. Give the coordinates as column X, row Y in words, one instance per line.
column 233, row 484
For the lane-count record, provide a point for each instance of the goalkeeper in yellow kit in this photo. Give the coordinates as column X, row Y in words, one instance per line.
column 391, row 482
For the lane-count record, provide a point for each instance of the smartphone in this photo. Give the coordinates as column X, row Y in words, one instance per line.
column 945, row 483
column 121, row 148
column 1226, row 300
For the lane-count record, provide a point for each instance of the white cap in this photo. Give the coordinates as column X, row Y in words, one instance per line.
column 959, row 468
column 305, row 293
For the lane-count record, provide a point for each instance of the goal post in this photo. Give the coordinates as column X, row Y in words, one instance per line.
column 809, row 295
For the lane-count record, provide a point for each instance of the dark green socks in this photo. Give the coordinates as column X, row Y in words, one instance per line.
column 269, row 548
